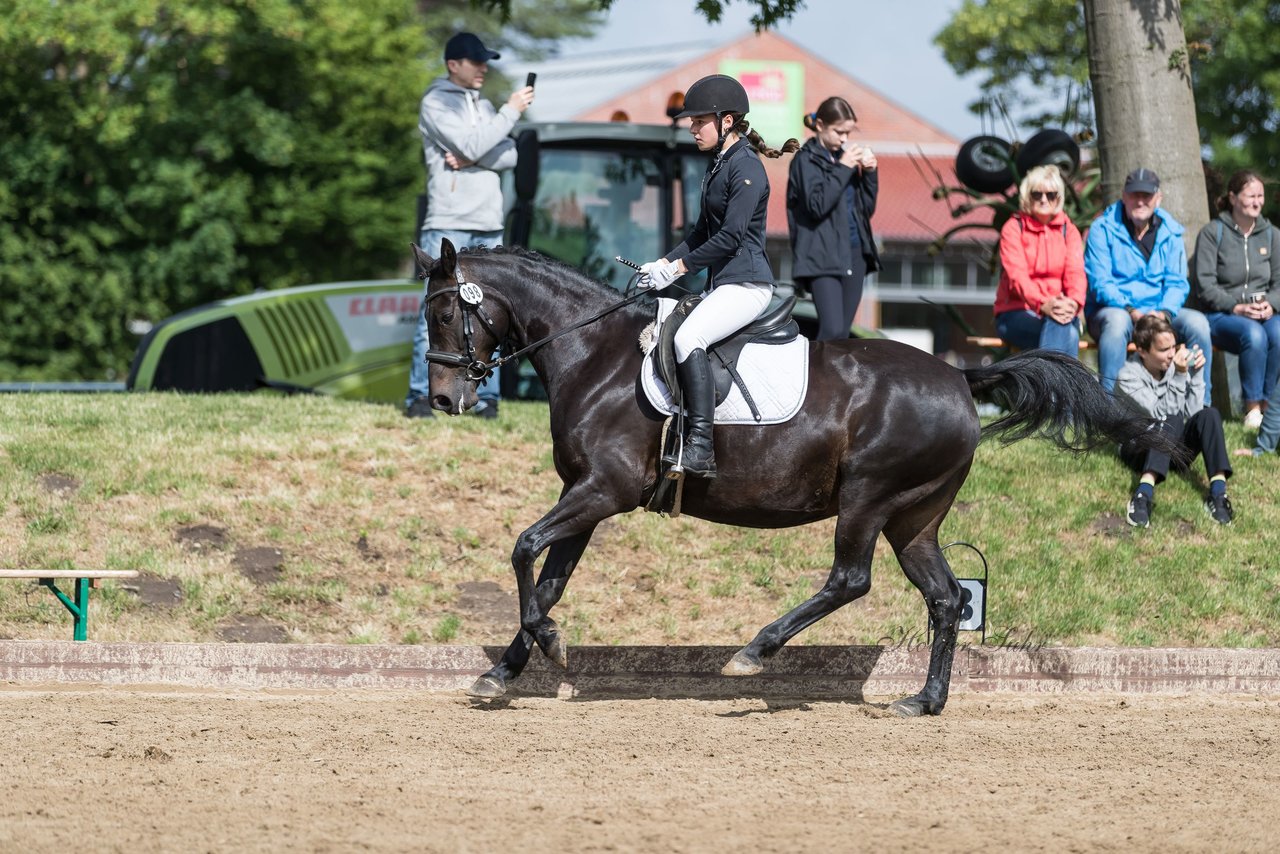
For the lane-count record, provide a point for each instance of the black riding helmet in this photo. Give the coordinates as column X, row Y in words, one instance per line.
column 716, row 94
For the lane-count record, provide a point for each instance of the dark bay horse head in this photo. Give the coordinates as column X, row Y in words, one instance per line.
column 477, row 299
column 463, row 328
column 883, row 442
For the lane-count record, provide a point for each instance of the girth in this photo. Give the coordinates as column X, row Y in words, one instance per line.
column 774, row 327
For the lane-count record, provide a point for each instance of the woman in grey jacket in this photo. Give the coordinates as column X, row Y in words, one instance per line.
column 831, row 195
column 1237, row 282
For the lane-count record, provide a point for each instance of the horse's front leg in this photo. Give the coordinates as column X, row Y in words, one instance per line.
column 561, row 560
column 580, row 508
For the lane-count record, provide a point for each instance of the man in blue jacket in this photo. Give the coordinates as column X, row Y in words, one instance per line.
column 1136, row 264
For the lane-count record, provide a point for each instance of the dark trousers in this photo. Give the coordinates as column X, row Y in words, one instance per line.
column 1202, row 433
column 836, row 299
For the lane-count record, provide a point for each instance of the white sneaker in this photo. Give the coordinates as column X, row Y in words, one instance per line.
column 1253, row 419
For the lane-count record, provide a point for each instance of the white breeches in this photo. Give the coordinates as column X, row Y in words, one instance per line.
column 721, row 313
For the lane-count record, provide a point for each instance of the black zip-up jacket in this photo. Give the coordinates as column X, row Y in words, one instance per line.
column 728, row 238
column 818, row 215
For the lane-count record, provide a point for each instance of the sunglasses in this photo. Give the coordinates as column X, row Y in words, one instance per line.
column 1041, row 195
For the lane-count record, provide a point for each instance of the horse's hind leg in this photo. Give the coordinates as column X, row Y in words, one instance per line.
column 561, row 560
column 850, row 578
column 924, row 564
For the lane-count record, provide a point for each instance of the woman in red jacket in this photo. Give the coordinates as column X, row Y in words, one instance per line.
column 1042, row 284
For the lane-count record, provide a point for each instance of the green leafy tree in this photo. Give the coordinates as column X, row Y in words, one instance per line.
column 164, row 154
column 1235, row 63
column 157, row 155
column 1021, row 46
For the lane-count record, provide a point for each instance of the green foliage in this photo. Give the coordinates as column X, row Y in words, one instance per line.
column 446, row 628
column 1235, row 62
column 171, row 154
column 1016, row 42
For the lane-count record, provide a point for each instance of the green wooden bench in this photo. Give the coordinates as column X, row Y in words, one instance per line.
column 84, row 579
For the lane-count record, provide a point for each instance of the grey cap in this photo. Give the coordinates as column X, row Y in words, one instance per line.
column 1142, row 181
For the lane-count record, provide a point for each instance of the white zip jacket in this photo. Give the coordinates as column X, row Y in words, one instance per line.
column 458, row 120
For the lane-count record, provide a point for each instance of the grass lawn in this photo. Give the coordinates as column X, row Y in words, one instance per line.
column 309, row 519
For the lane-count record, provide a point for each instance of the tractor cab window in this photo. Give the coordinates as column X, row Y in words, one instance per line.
column 593, row 205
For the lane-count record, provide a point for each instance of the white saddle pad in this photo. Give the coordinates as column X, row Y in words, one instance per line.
column 777, row 376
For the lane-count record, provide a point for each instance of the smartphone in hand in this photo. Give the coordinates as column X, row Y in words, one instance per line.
column 530, row 78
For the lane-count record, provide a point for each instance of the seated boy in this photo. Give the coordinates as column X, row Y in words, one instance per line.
column 1165, row 380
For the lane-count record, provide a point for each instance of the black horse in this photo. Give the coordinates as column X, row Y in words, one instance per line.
column 883, row 442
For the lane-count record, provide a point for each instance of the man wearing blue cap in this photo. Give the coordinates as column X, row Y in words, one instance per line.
column 466, row 143
column 1136, row 265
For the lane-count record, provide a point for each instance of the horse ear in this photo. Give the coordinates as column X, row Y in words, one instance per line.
column 421, row 260
column 448, row 258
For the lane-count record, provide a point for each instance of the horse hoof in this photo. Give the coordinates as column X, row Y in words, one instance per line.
column 914, row 707
column 742, row 665
column 554, row 649
column 487, row 688
column 908, row 708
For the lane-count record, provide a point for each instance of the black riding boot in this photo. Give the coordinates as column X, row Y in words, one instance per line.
column 699, row 457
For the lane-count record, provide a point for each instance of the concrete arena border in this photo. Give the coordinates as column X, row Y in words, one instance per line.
column 808, row 672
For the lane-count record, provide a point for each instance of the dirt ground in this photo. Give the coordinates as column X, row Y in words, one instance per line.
column 129, row 770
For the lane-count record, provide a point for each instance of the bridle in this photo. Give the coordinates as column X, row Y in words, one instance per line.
column 470, row 298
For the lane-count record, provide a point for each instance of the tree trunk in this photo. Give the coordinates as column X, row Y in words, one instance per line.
column 1144, row 104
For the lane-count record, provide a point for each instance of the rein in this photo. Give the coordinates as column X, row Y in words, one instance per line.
column 470, row 296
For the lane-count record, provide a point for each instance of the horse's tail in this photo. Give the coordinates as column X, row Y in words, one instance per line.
column 1049, row 394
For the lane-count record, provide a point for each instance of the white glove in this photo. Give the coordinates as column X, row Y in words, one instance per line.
column 645, row 269
column 658, row 274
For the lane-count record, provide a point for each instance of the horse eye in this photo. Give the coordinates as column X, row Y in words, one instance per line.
column 445, row 318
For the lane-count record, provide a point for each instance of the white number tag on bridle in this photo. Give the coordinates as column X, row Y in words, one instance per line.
column 470, row 293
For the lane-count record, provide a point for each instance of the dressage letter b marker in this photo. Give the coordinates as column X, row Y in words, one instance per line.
column 972, row 604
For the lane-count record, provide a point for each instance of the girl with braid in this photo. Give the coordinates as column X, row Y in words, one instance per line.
column 728, row 241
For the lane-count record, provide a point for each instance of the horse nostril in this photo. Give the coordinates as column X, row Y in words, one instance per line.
column 441, row 402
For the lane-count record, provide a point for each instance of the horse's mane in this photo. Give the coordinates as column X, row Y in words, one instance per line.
column 553, row 265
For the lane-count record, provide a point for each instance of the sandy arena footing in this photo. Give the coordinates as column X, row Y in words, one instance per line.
column 262, row 748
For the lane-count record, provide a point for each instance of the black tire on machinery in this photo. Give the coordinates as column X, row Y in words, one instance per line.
column 1050, row 145
column 978, row 176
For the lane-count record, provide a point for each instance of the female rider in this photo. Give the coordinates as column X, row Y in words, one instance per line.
column 728, row 240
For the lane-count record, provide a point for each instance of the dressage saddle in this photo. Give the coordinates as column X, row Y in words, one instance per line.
column 776, row 326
